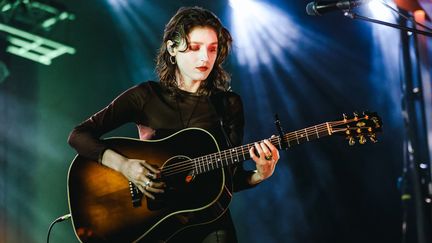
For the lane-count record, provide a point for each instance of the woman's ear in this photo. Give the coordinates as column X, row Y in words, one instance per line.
column 171, row 48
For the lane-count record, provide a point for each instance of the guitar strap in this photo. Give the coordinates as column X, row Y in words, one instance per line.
column 219, row 103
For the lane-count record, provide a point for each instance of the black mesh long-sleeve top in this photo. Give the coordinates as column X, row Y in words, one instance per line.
column 150, row 105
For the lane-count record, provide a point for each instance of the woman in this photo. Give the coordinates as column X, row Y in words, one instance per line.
column 192, row 92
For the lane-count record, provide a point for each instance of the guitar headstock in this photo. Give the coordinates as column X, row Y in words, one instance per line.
column 359, row 127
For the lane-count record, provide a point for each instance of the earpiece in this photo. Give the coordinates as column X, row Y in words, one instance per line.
column 170, row 47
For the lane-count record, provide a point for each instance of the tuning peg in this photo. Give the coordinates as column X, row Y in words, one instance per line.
column 362, row 139
column 365, row 115
column 351, row 141
column 355, row 116
column 376, row 121
column 345, row 117
column 373, row 139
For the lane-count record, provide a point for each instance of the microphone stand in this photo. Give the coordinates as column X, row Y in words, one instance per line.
column 352, row 15
column 412, row 157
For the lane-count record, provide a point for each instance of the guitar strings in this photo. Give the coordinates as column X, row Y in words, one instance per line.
column 205, row 166
column 197, row 163
column 232, row 153
column 286, row 136
column 202, row 163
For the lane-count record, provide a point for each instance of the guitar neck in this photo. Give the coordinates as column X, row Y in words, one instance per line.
column 239, row 154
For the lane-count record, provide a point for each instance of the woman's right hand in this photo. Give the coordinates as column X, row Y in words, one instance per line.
column 142, row 174
column 139, row 172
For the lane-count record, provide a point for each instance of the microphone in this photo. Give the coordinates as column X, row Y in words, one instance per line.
column 318, row 8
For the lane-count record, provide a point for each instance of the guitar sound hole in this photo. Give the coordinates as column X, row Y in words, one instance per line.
column 184, row 186
column 176, row 184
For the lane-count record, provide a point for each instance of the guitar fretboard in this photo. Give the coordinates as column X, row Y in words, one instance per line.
column 239, row 154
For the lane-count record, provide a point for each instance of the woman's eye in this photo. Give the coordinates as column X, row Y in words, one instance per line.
column 194, row 48
column 213, row 49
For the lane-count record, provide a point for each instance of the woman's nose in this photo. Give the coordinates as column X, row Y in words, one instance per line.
column 204, row 55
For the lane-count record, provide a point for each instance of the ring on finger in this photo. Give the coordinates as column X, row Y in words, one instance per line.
column 269, row 157
column 147, row 183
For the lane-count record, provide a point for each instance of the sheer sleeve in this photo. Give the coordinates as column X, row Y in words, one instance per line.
column 127, row 107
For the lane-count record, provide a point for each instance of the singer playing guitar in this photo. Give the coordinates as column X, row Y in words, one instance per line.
column 193, row 91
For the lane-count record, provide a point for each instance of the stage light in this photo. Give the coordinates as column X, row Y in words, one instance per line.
column 262, row 32
column 239, row 4
column 33, row 47
column 117, row 4
column 26, row 22
column 136, row 21
column 380, row 11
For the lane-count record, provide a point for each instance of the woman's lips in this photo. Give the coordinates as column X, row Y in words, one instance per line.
column 202, row 69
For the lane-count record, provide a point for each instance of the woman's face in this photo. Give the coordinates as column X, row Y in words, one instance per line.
column 196, row 63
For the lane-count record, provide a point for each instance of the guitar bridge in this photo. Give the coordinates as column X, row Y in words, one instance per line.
column 136, row 195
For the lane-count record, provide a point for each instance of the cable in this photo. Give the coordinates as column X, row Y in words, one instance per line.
column 59, row 219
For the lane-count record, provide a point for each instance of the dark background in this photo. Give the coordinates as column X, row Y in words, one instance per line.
column 307, row 69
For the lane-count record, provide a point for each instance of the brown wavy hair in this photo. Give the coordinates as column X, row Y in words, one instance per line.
column 177, row 29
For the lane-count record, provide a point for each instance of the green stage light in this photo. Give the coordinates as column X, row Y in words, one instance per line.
column 33, row 47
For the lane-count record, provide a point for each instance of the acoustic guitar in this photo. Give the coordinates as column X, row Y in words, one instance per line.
column 106, row 207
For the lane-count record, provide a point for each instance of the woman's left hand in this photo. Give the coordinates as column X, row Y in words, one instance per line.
column 265, row 160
